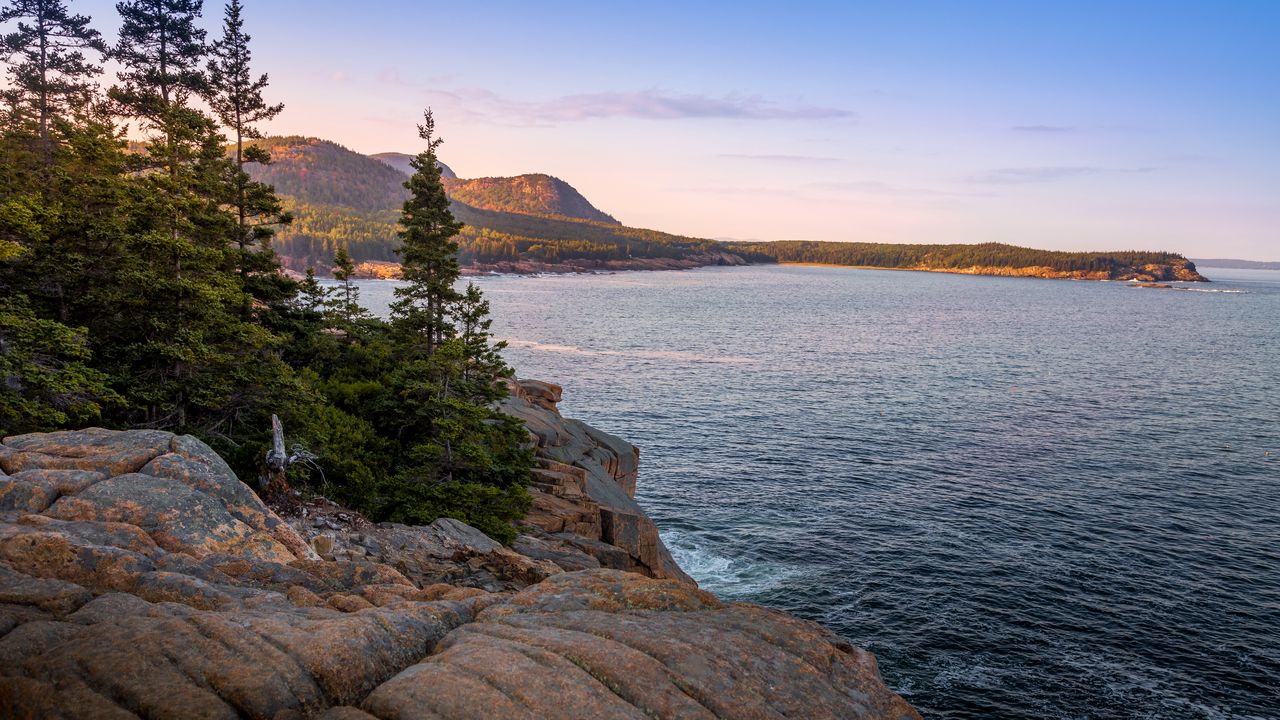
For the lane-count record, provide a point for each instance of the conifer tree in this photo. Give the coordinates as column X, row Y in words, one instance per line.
column 235, row 97
column 428, row 251
column 483, row 364
column 233, row 93
column 347, row 304
column 49, row 73
column 161, row 48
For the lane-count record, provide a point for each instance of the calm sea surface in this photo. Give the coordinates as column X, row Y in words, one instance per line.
column 1030, row 498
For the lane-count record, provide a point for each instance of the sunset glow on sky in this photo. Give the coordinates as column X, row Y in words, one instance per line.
column 1082, row 125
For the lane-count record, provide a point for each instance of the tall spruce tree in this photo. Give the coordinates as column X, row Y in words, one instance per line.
column 428, row 251
column 233, row 93
column 52, row 225
column 193, row 357
column 160, row 49
column 235, row 96
column 49, row 73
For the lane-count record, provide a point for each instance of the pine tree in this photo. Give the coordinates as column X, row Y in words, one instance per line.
column 483, row 363
column 48, row 71
column 347, row 303
column 428, row 252
column 161, row 49
column 235, row 97
column 233, row 93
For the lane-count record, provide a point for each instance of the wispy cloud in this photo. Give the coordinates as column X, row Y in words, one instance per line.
column 875, row 187
column 1043, row 128
column 642, row 104
column 392, row 77
column 1048, row 173
column 339, row 76
column 781, row 158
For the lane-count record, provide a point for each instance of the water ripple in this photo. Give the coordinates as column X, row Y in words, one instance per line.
column 1028, row 498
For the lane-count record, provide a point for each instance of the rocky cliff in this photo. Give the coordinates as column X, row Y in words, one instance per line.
column 140, row 578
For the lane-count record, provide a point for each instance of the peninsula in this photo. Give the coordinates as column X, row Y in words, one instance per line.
column 537, row 223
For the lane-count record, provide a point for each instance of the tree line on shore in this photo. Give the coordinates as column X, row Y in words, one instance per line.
column 342, row 199
column 139, row 285
column 944, row 257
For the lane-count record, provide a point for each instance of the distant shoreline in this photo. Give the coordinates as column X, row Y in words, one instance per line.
column 1033, row 272
column 1229, row 264
column 381, row 270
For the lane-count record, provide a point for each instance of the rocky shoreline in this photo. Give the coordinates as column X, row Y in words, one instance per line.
column 140, row 578
column 1182, row 272
column 1179, row 272
column 381, row 270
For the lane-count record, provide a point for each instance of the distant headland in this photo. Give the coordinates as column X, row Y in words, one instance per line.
column 537, row 223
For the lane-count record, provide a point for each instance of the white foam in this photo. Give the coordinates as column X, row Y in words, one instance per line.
column 677, row 356
column 728, row 577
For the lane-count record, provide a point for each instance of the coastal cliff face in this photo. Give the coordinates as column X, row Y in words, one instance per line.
column 140, row 578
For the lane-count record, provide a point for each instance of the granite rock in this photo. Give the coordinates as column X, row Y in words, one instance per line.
column 140, row 578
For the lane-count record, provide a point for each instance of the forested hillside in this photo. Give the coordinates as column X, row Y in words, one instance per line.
column 340, row 198
column 527, row 194
column 326, row 173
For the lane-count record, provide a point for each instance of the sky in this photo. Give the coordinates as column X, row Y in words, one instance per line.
column 1066, row 125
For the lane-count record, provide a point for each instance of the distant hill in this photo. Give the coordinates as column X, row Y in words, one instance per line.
column 400, row 161
column 1237, row 264
column 342, row 198
column 532, row 194
column 538, row 223
column 320, row 172
column 527, row 194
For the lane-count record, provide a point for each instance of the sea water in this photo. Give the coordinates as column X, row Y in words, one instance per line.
column 1029, row 498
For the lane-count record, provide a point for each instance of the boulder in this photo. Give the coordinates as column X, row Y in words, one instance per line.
column 562, row 552
column 108, row 451
column 34, row 491
column 177, row 516
column 607, row 644
column 195, row 465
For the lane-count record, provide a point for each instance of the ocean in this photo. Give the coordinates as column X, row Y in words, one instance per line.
column 1029, row 498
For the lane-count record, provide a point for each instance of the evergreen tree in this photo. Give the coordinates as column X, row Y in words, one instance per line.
column 428, row 252
column 483, row 362
column 45, row 381
column 233, row 93
column 51, row 75
column 161, row 49
column 236, row 99
column 347, row 303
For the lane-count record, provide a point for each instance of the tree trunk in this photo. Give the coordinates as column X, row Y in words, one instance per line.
column 272, row 481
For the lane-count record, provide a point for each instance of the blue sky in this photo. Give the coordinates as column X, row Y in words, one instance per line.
column 1070, row 125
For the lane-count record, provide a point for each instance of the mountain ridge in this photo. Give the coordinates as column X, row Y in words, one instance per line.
column 538, row 223
column 400, row 161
